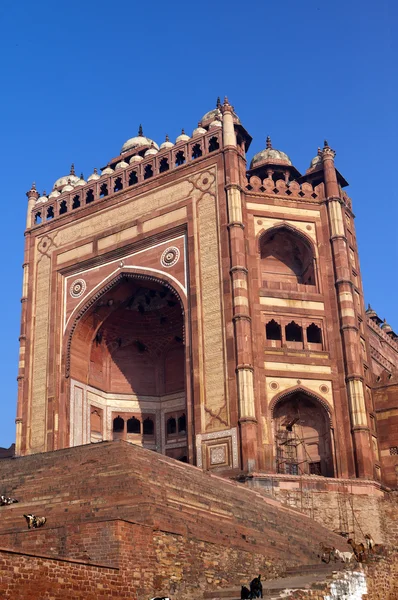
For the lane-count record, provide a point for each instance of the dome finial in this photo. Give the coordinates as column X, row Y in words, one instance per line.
column 33, row 186
column 319, row 153
column 268, row 143
column 218, row 103
column 72, row 169
column 182, row 131
column 325, row 144
column 81, row 176
column 140, row 131
column 44, row 193
column 167, row 139
column 95, row 170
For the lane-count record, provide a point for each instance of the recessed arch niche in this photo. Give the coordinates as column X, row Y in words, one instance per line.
column 302, row 435
column 127, row 356
column 287, row 260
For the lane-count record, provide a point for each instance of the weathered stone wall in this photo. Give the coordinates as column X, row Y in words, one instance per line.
column 26, row 576
column 340, row 505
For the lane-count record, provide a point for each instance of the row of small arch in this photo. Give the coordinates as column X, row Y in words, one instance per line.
column 293, row 332
column 164, row 166
column 173, row 425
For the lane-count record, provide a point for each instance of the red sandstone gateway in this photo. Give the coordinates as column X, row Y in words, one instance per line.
column 206, row 311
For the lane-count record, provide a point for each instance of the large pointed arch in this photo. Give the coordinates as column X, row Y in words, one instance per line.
column 126, row 351
column 92, row 299
column 303, row 433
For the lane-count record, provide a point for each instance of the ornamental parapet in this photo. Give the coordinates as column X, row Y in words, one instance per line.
column 128, row 176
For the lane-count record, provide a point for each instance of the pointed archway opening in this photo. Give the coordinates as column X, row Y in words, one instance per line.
column 287, row 261
column 127, row 368
column 303, row 437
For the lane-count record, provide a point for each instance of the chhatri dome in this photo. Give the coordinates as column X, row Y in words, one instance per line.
column 215, row 115
column 70, row 179
column 270, row 156
column 139, row 141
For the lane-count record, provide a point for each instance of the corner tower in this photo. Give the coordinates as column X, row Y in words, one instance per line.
column 311, row 352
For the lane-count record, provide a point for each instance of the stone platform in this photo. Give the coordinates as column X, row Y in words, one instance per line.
column 129, row 523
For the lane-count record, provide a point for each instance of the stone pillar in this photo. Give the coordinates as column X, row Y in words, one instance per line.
column 32, row 197
column 240, row 299
column 348, row 321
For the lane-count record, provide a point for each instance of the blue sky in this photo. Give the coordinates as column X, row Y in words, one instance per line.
column 79, row 77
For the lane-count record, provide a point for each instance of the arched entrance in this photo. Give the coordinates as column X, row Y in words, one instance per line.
column 127, row 368
column 303, row 441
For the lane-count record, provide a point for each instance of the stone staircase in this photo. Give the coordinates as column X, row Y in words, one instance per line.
column 77, row 485
column 294, row 579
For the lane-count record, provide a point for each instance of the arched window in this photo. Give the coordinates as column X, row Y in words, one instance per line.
column 294, row 332
column 180, row 158
column 164, row 165
column 148, row 172
column 133, row 425
column 118, row 425
column 171, row 426
column 76, row 202
column 314, row 334
column 103, row 190
column 89, row 196
column 50, row 213
column 287, row 261
column 196, row 151
column 213, row 144
column 273, row 330
column 133, row 179
column 63, row 207
column 118, row 185
column 182, row 424
column 148, row 427
column 37, row 218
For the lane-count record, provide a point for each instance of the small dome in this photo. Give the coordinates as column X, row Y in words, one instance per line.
column 215, row 124
column 121, row 165
column 317, row 160
column 80, row 181
column 216, row 113
column 68, row 187
column 43, row 197
column 166, row 144
column 198, row 131
column 386, row 327
column 370, row 312
column 107, row 171
column 54, row 194
column 210, row 116
column 270, row 156
column 151, row 151
column 94, row 176
column 135, row 159
column 183, row 137
column 63, row 181
column 136, row 142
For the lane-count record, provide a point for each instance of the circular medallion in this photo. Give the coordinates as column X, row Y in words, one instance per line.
column 170, row 256
column 77, row 288
column 308, row 228
column 324, row 389
column 273, row 385
column 298, row 381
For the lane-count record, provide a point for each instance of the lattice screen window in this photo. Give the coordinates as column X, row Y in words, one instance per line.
column 393, row 450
